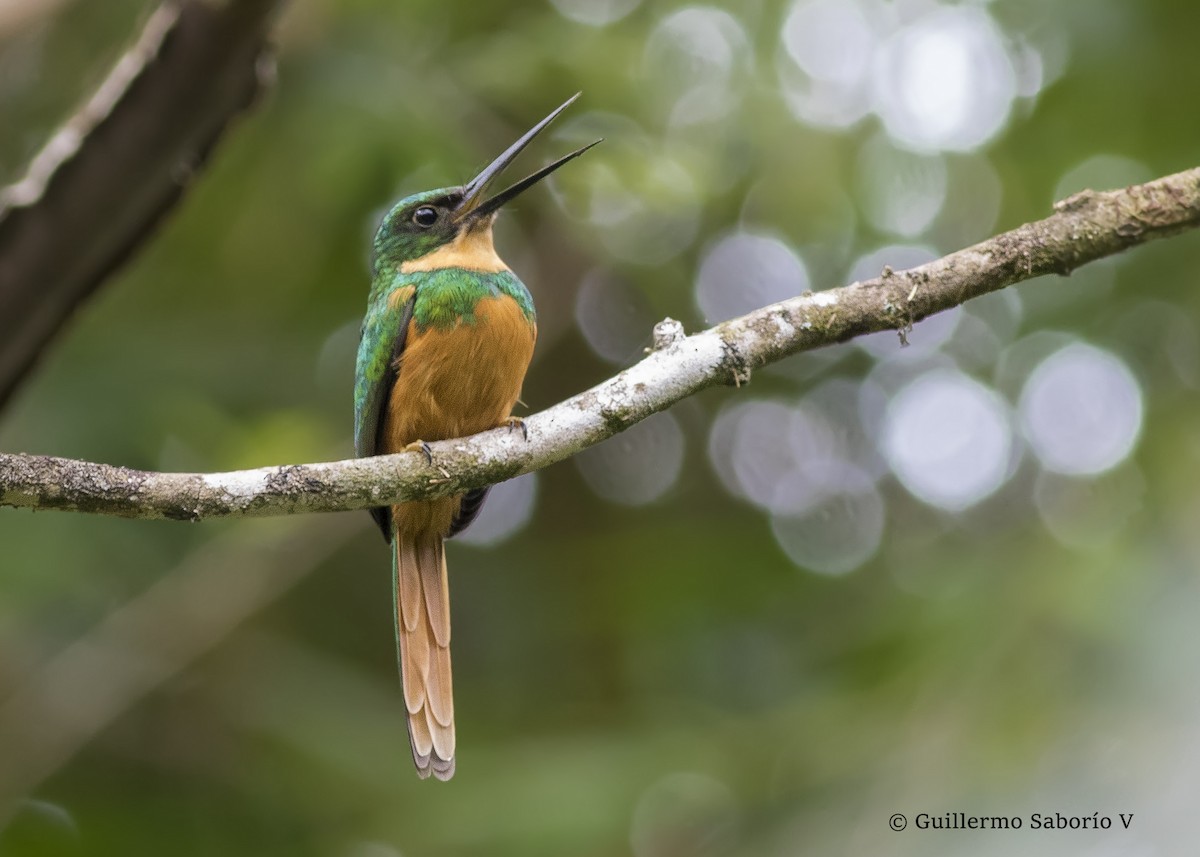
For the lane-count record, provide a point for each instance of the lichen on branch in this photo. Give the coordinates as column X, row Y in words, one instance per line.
column 1083, row 228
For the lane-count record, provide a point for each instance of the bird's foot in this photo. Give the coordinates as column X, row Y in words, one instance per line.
column 421, row 447
column 515, row 423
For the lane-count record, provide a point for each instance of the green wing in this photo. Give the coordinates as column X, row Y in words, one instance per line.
column 382, row 341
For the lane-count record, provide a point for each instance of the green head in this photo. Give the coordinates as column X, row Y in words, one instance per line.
column 424, row 223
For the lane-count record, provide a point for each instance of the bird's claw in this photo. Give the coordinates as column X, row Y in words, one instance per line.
column 518, row 423
column 421, row 447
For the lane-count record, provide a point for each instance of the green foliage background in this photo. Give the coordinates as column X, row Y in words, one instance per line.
column 657, row 679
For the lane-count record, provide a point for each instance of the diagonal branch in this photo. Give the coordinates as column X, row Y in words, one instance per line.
column 1086, row 227
column 98, row 188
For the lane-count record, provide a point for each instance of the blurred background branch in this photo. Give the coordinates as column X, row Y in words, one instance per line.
column 1085, row 227
column 98, row 188
column 144, row 642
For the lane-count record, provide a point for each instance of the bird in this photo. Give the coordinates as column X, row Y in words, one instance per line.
column 447, row 337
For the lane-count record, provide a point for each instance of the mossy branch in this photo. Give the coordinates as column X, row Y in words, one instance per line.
column 1083, row 228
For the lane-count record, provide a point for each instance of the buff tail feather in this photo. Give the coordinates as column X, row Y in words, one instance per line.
column 423, row 643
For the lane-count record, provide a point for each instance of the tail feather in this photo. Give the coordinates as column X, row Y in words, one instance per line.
column 423, row 640
column 432, row 563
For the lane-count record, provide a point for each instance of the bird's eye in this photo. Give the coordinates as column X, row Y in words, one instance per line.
column 425, row 216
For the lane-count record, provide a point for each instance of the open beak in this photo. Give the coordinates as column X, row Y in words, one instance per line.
column 472, row 204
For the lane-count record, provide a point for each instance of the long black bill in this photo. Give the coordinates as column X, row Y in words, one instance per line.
column 475, row 189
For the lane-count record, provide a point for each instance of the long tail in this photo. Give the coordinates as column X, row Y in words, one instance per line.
column 423, row 643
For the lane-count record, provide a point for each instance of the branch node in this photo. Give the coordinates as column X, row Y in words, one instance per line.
column 1075, row 201
column 666, row 333
column 739, row 368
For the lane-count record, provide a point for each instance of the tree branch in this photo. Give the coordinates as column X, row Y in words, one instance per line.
column 104, row 181
column 1085, row 227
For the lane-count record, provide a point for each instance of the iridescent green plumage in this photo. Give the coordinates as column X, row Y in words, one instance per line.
column 382, row 330
column 449, row 296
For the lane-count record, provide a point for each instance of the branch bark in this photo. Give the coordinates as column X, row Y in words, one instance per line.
column 104, row 181
column 1083, row 228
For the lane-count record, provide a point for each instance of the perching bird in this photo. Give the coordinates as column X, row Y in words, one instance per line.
column 448, row 335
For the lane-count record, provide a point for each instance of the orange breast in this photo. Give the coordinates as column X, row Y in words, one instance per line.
column 461, row 380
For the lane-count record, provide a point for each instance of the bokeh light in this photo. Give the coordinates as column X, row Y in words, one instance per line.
column 745, row 271
column 723, row 438
column 508, row 508
column 985, row 329
column 613, row 317
column 828, row 47
column 637, row 466
column 974, row 194
column 1081, row 410
column 945, row 81
column 1001, row 311
column 1089, row 513
column 834, row 518
column 757, row 446
column 949, row 440
column 830, row 40
column 941, row 78
column 850, row 409
column 638, row 196
column 900, row 192
column 812, row 467
column 694, row 56
column 1020, row 358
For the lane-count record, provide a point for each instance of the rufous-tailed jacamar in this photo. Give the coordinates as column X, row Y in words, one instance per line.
column 447, row 338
